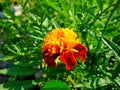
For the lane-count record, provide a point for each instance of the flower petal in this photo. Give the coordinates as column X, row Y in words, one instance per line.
column 50, row 59
column 82, row 52
column 68, row 59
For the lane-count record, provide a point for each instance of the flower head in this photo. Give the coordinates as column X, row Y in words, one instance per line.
column 62, row 43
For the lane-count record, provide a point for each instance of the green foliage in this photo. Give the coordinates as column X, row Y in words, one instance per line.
column 95, row 21
column 115, row 48
column 55, row 85
column 17, row 71
column 19, row 85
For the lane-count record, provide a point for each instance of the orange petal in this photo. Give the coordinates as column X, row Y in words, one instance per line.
column 82, row 52
column 68, row 59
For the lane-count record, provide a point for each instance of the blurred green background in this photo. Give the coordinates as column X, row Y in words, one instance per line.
column 23, row 26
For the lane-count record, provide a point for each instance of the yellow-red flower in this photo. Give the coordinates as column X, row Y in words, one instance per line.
column 62, row 43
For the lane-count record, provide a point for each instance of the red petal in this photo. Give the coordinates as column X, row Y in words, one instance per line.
column 68, row 59
column 50, row 59
column 82, row 52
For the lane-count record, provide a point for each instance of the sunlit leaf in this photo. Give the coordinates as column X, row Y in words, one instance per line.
column 114, row 47
column 45, row 22
column 2, row 87
column 94, row 83
column 32, row 36
column 118, row 81
column 6, row 57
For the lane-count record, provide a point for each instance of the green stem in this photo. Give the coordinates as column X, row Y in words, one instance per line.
column 112, row 11
column 94, row 20
column 97, row 17
column 108, row 19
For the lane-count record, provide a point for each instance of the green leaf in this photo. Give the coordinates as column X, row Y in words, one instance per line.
column 116, row 71
column 114, row 47
column 55, row 85
column 19, row 71
column 64, row 6
column 59, row 70
column 100, row 4
column 10, row 49
column 45, row 22
column 118, row 80
column 6, row 57
column 18, row 85
column 116, row 40
column 27, row 63
column 35, row 37
column 55, row 7
column 2, row 87
column 94, row 83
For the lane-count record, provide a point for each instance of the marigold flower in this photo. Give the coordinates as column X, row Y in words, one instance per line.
column 62, row 43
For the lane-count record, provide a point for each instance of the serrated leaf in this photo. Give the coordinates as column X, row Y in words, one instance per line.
column 103, row 81
column 18, row 85
column 114, row 47
column 19, row 71
column 94, row 83
column 55, row 85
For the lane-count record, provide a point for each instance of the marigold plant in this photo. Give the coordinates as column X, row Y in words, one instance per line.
column 62, row 43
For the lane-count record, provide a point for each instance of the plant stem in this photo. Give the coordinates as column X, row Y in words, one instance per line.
column 108, row 19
